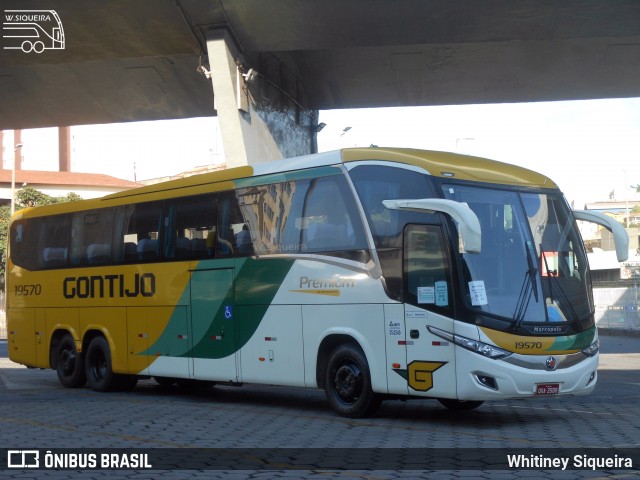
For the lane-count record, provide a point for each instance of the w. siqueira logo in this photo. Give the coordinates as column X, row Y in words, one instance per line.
column 32, row 31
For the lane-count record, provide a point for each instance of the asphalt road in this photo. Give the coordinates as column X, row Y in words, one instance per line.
column 253, row 424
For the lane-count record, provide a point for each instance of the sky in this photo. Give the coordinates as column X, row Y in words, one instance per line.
column 589, row 148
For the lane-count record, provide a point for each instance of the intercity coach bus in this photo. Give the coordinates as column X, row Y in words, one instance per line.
column 371, row 273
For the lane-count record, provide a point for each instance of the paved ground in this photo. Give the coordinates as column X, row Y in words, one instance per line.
column 246, row 425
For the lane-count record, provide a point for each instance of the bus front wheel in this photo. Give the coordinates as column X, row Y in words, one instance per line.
column 348, row 383
column 69, row 364
column 98, row 369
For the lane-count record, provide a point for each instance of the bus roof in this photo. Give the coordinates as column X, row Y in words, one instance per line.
column 441, row 164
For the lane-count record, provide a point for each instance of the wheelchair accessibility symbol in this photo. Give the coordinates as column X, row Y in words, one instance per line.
column 228, row 312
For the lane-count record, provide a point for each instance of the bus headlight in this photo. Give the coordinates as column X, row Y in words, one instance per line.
column 489, row 351
column 592, row 349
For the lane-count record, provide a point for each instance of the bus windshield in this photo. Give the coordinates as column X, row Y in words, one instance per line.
column 532, row 269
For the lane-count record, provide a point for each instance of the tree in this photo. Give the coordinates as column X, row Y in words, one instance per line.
column 26, row 197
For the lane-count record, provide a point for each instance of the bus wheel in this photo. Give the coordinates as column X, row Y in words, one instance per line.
column 460, row 405
column 69, row 364
column 26, row 46
column 38, row 47
column 98, row 366
column 348, row 383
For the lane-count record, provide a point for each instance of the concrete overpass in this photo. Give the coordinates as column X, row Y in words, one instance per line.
column 267, row 66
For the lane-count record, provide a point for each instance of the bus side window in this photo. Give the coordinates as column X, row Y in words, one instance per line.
column 54, row 241
column 24, row 237
column 426, row 272
column 331, row 222
column 91, row 237
column 189, row 227
column 138, row 229
column 233, row 227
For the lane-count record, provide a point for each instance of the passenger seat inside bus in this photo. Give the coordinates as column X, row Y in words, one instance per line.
column 98, row 253
column 147, row 249
column 183, row 247
column 54, row 257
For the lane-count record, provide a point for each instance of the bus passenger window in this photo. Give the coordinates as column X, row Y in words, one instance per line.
column 189, row 228
column 235, row 231
column 54, row 241
column 91, row 237
column 24, row 236
column 138, row 226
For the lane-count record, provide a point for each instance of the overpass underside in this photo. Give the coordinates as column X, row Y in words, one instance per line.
column 267, row 67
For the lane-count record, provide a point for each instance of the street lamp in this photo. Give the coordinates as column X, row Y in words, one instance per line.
column 17, row 147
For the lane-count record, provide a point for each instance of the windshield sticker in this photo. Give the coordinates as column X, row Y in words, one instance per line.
column 442, row 295
column 478, row 293
column 426, row 295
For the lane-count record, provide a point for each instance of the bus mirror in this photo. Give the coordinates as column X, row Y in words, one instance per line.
column 468, row 223
column 620, row 237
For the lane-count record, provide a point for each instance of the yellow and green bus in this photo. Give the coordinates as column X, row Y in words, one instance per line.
column 371, row 273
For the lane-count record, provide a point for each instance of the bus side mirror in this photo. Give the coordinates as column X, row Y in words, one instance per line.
column 466, row 219
column 620, row 237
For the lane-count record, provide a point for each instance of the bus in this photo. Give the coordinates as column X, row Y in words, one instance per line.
column 33, row 30
column 370, row 273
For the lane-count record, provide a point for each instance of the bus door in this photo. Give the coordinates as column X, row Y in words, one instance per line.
column 430, row 367
column 214, row 322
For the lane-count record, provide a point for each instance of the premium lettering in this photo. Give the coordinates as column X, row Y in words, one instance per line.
column 110, row 286
column 336, row 282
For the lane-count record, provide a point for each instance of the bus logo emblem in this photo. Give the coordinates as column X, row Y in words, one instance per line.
column 32, row 30
column 551, row 363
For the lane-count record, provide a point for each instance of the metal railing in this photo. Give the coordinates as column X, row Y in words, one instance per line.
column 617, row 308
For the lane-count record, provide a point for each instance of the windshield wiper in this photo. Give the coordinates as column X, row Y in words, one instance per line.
column 552, row 275
column 529, row 285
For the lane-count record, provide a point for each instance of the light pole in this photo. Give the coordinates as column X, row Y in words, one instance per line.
column 17, row 147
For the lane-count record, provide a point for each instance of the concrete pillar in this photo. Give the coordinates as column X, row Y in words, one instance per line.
column 64, row 149
column 261, row 114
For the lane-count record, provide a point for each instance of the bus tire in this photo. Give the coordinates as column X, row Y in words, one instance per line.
column 38, row 47
column 460, row 405
column 348, row 383
column 69, row 364
column 98, row 366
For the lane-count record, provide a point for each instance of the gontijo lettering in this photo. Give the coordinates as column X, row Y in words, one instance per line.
column 111, row 286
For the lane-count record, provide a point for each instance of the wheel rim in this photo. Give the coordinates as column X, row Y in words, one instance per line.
column 348, row 382
column 67, row 361
column 98, row 365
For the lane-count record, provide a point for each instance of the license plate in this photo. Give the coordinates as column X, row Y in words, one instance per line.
column 547, row 389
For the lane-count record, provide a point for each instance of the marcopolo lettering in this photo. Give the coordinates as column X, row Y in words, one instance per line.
column 111, row 286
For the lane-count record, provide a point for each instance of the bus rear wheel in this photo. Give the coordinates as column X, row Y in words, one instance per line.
column 98, row 369
column 348, row 383
column 69, row 364
column 460, row 405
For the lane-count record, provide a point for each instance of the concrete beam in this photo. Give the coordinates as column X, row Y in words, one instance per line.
column 260, row 105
